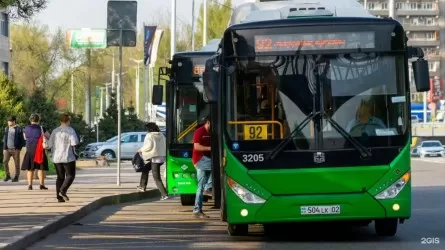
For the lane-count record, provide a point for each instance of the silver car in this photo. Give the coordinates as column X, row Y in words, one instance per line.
column 431, row 148
column 130, row 143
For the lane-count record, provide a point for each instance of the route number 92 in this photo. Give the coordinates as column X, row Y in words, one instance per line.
column 255, row 132
column 253, row 157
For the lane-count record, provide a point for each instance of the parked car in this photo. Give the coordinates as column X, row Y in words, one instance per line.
column 130, row 143
column 415, row 119
column 431, row 148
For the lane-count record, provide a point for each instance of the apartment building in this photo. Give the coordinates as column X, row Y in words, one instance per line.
column 424, row 23
column 4, row 42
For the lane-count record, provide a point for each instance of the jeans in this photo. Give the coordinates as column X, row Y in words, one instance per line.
column 203, row 173
column 209, row 183
column 62, row 182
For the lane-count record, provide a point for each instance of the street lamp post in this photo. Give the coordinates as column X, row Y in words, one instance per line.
column 204, row 35
column 137, row 86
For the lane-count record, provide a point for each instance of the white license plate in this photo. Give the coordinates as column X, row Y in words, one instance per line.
column 434, row 154
column 308, row 210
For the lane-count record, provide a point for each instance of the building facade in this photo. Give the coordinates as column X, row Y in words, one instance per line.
column 5, row 49
column 424, row 23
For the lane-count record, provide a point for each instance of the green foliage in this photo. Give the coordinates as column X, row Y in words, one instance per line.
column 11, row 102
column 37, row 103
column 23, row 8
column 86, row 135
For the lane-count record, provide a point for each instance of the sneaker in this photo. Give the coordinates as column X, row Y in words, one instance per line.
column 200, row 215
column 7, row 178
column 164, row 198
column 60, row 199
column 140, row 189
column 16, row 179
column 208, row 193
column 64, row 196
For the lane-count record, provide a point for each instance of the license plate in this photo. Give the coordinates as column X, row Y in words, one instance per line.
column 433, row 154
column 308, row 210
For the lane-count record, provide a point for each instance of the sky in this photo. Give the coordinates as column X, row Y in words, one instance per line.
column 76, row 14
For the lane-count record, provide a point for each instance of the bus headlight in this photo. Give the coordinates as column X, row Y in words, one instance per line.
column 393, row 190
column 244, row 194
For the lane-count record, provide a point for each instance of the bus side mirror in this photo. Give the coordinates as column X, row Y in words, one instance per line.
column 158, row 93
column 210, row 82
column 421, row 75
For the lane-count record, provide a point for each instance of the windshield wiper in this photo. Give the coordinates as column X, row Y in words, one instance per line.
column 364, row 152
column 288, row 139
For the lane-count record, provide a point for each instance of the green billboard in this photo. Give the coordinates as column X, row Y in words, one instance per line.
column 86, row 38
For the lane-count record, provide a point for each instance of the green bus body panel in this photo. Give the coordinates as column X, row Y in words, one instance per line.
column 353, row 188
column 185, row 183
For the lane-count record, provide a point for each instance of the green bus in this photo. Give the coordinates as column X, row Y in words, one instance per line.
column 313, row 121
column 185, row 109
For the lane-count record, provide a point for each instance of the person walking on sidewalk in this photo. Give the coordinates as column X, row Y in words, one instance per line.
column 201, row 158
column 35, row 157
column 62, row 142
column 13, row 142
column 154, row 150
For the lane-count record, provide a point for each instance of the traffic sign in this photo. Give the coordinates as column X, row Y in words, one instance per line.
column 87, row 38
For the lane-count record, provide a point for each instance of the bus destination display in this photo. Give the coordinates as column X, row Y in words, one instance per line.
column 315, row 41
column 198, row 70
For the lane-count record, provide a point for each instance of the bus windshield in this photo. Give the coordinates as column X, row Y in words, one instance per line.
column 363, row 93
column 190, row 108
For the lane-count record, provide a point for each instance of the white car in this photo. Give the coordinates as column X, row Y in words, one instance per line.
column 431, row 148
column 130, row 143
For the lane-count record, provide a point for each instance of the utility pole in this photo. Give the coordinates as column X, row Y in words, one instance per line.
column 88, row 91
column 72, row 93
column 173, row 30
column 101, row 115
column 391, row 9
column 193, row 25
column 204, row 35
column 137, row 89
column 113, row 74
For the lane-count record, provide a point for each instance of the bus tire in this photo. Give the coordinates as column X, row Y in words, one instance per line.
column 187, row 199
column 237, row 229
column 386, row 227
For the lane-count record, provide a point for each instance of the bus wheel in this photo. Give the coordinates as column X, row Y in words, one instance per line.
column 386, row 227
column 187, row 199
column 238, row 229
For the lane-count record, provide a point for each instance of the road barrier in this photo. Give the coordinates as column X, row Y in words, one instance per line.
column 428, row 129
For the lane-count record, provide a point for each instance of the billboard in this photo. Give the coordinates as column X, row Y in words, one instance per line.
column 86, row 38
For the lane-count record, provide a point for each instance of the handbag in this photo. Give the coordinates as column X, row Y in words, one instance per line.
column 44, row 142
column 138, row 163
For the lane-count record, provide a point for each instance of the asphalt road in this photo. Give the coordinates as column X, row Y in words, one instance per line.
column 167, row 225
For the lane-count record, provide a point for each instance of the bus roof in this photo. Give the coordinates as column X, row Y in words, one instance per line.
column 272, row 10
column 315, row 21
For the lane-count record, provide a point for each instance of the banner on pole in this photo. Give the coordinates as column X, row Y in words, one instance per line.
column 156, row 42
column 149, row 34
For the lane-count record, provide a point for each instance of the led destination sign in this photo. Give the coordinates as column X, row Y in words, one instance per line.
column 198, row 70
column 315, row 41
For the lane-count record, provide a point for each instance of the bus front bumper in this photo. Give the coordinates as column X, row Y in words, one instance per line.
column 301, row 208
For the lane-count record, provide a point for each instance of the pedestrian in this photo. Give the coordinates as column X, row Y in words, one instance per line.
column 35, row 157
column 13, row 142
column 201, row 158
column 153, row 151
column 62, row 143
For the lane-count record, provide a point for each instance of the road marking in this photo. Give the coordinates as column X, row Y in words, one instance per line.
column 433, row 160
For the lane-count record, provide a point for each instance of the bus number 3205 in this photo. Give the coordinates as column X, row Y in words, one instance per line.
column 253, row 158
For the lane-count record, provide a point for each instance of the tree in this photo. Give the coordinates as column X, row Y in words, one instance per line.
column 37, row 103
column 23, row 8
column 11, row 102
column 218, row 16
column 85, row 134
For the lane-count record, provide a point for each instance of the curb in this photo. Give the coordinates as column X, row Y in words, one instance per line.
column 36, row 233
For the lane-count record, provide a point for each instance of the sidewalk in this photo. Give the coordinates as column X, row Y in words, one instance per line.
column 24, row 212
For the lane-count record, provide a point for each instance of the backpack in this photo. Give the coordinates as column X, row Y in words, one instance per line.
column 138, row 163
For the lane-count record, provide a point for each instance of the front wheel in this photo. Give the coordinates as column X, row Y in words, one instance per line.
column 386, row 227
column 237, row 229
column 109, row 155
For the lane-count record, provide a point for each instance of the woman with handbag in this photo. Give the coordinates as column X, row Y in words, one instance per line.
column 62, row 142
column 35, row 157
column 153, row 151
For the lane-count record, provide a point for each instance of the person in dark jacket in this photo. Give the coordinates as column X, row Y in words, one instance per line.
column 13, row 142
